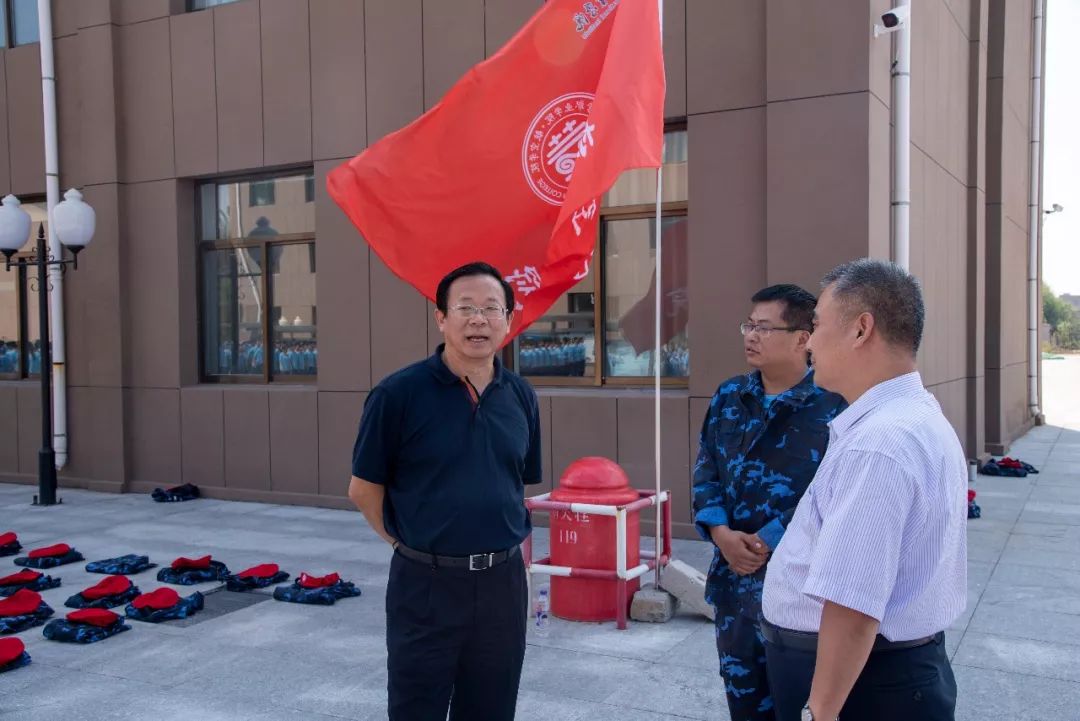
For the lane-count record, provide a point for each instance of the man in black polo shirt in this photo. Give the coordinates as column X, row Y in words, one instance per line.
column 444, row 451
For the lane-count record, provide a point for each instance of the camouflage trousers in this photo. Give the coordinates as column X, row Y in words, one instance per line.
column 741, row 649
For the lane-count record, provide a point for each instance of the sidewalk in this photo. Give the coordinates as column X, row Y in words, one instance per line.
column 1016, row 651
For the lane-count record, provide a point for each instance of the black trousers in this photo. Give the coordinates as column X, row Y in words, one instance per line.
column 901, row 685
column 455, row 640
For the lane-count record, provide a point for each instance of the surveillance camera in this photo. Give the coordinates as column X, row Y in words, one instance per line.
column 893, row 20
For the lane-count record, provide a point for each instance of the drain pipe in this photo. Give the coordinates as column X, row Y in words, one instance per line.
column 1034, row 210
column 898, row 21
column 56, row 277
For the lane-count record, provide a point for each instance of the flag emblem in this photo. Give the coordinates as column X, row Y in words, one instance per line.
column 558, row 136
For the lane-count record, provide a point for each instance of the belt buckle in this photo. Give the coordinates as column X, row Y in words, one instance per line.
column 481, row 561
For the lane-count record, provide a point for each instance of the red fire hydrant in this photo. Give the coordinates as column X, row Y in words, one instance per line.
column 584, row 541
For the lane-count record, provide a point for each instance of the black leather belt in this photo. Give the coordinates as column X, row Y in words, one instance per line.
column 475, row 562
column 807, row 641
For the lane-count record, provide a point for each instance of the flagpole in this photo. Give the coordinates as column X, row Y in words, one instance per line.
column 656, row 352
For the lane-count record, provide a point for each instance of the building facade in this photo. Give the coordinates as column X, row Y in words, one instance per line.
column 227, row 322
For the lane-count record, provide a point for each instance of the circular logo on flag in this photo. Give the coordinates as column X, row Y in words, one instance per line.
column 558, row 137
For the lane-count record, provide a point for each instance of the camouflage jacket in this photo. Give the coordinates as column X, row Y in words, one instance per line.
column 754, row 464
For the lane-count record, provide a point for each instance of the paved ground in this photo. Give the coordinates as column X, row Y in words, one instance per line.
column 1016, row 650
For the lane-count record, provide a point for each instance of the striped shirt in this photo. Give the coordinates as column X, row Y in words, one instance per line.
column 882, row 528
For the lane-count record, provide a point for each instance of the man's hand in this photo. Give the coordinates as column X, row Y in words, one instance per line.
column 368, row 497
column 844, row 644
column 744, row 552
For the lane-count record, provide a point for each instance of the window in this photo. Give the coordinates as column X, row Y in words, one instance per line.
column 19, row 19
column 257, row 278
column 20, row 336
column 261, row 193
column 309, row 188
column 602, row 331
column 194, row 5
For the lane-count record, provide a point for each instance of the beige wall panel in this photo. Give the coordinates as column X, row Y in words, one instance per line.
column 194, row 93
column 398, row 322
column 933, row 275
column 582, row 426
column 636, row 445
column 1015, row 401
column 247, row 438
column 725, row 55
column 816, row 48
column 675, row 58
column 550, row 477
column 1014, row 295
column 126, row 12
column 995, row 418
column 151, row 277
column 286, row 81
column 434, row 335
column 994, row 311
column 339, row 420
column 918, row 211
column 727, row 232
column 186, row 259
column 879, row 177
column 393, row 31
column 153, row 434
column 817, row 162
column 503, row 18
column 1017, row 67
column 95, row 434
column 238, row 61
column 994, row 134
column 9, row 429
column 1016, row 169
column 65, row 17
column 975, row 257
column 93, row 298
column 145, row 102
column 95, row 12
column 202, row 422
column 453, row 42
column 5, row 150
column 25, row 125
column 294, row 440
column 698, row 408
column 961, row 11
column 338, row 78
column 29, row 408
column 69, row 116
column 952, row 398
column 343, row 295
column 98, row 109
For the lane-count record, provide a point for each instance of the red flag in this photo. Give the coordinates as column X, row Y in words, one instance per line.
column 510, row 166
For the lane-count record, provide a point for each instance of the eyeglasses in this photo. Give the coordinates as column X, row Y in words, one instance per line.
column 763, row 330
column 491, row 312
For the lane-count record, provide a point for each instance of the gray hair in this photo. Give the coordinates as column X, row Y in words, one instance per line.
column 887, row 292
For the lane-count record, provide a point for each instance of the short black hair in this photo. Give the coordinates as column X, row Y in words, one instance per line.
column 887, row 292
column 799, row 304
column 470, row 269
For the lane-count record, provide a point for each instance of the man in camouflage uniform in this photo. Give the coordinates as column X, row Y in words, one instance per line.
column 762, row 439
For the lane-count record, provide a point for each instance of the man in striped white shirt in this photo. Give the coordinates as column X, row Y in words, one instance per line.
column 873, row 566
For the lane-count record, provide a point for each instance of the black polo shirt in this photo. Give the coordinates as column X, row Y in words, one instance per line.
column 454, row 466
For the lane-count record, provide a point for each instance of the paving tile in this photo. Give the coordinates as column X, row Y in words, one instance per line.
column 986, row 694
column 1018, row 655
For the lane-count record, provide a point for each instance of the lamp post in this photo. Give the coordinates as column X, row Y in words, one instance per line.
column 73, row 222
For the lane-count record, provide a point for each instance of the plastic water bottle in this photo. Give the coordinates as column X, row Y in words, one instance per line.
column 541, row 609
